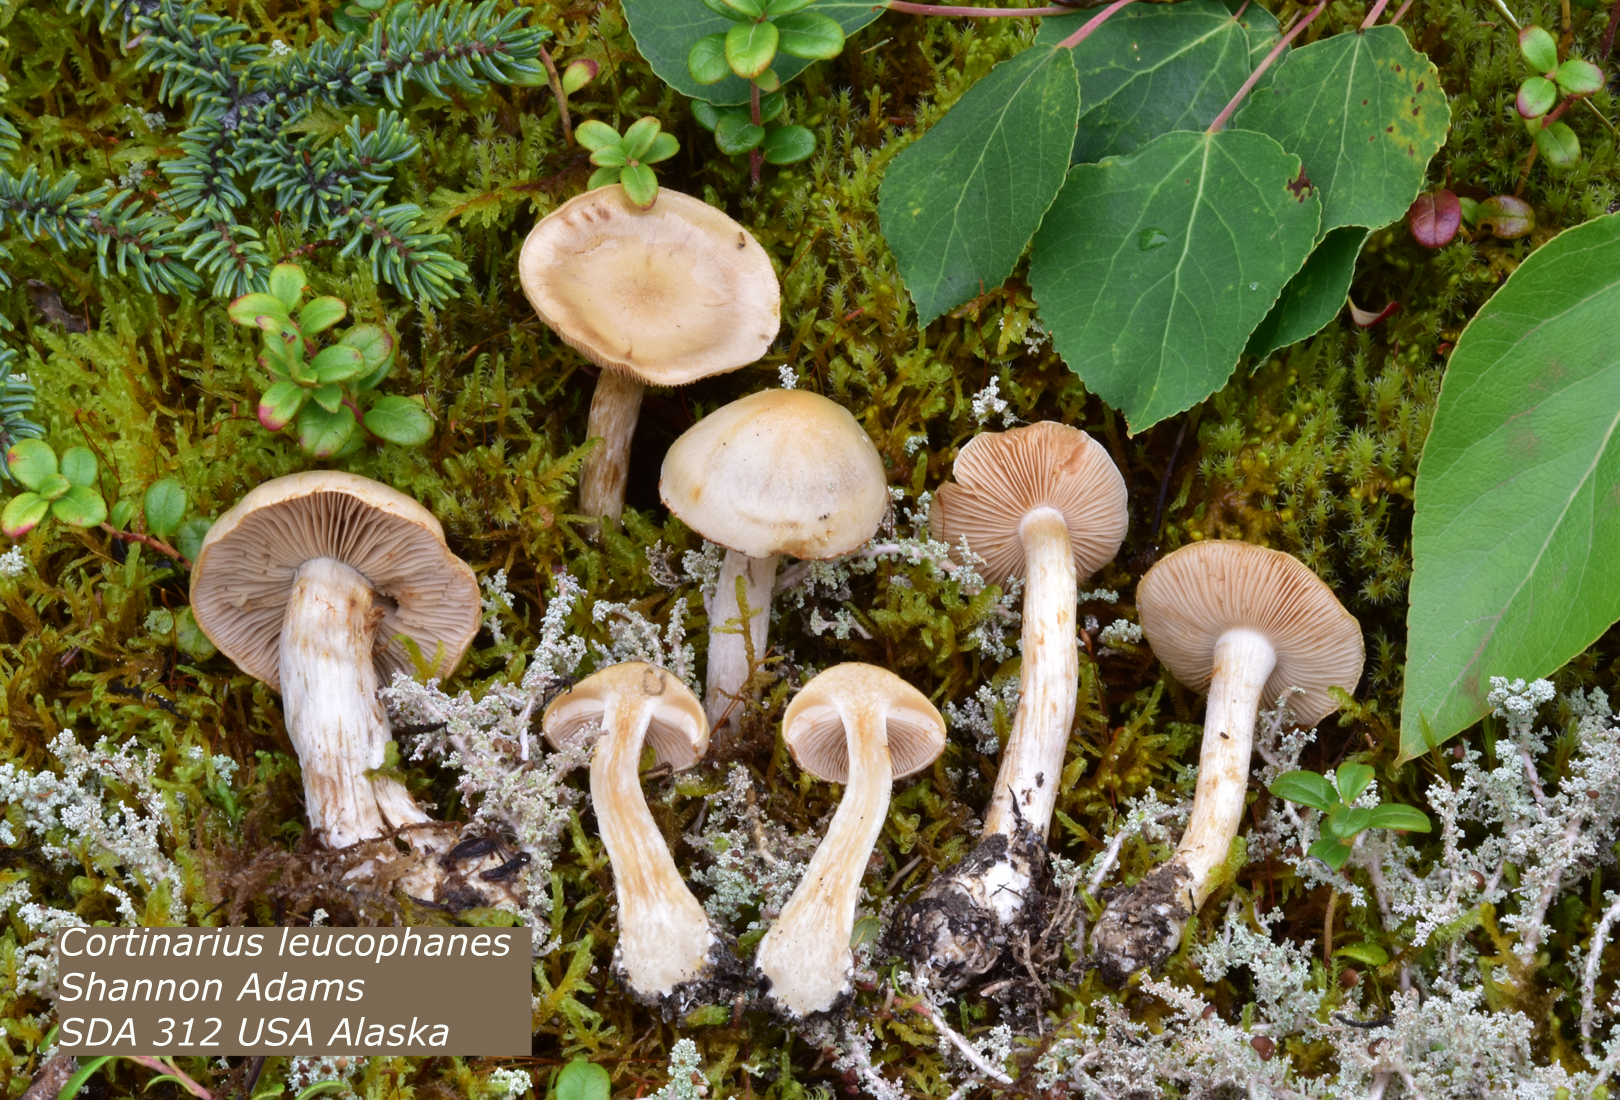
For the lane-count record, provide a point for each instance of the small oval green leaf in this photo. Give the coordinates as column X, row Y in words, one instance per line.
column 750, row 48
column 189, row 538
column 810, row 36
column 31, row 461
column 80, row 507
column 640, row 185
column 287, row 285
column 54, row 486
column 280, row 404
column 1306, row 788
column 582, row 1080
column 79, row 465
column 321, row 314
column 1369, row 954
column 1351, row 780
column 247, row 310
column 1539, row 49
column 1396, row 816
column 736, row 135
column 401, row 420
column 324, row 433
column 706, row 61
column 788, row 145
column 23, row 514
column 164, row 506
column 1579, row 77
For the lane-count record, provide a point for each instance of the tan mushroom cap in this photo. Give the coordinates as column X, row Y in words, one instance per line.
column 250, row 558
column 1195, row 594
column 671, row 294
column 814, row 732
column 1000, row 477
column 678, row 732
column 778, row 472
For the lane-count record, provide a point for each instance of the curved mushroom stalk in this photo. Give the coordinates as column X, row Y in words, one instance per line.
column 806, row 953
column 615, row 408
column 1143, row 927
column 728, row 649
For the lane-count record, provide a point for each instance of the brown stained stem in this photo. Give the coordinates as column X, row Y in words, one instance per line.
column 1607, row 45
column 1092, row 24
column 1254, row 77
column 555, row 81
column 905, row 7
column 1327, row 928
column 1372, row 16
column 147, row 540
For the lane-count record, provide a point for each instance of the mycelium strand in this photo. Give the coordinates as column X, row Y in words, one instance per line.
column 806, row 954
column 615, row 407
column 728, row 650
column 664, row 934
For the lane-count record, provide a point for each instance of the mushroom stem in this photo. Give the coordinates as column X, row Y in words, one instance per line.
column 664, row 934
column 329, row 696
column 728, row 650
column 615, row 407
column 806, row 953
column 1143, row 926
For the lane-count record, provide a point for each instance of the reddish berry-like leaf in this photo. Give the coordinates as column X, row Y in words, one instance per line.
column 1434, row 218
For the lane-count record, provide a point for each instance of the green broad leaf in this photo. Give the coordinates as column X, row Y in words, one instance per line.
column 189, row 636
column 640, row 185
column 328, row 397
column 706, row 61
column 751, row 47
column 121, row 514
column 1368, row 954
column 720, row 7
column 1305, row 788
column 665, row 31
column 594, row 135
column 768, row 81
column 707, row 115
column 748, row 9
column 86, row 1071
column 810, row 35
column 1539, row 49
column 736, row 134
column 79, row 465
column 1152, row 269
column 54, row 486
column 338, row 363
column 579, row 73
column 582, row 1080
column 401, row 420
column 1352, row 779
column 1150, row 69
column 1396, row 816
column 663, row 147
column 786, row 7
column 788, row 145
column 602, row 177
column 1516, row 526
column 1345, row 822
column 612, row 156
column 280, row 404
column 320, row 314
column 164, row 507
column 23, row 514
column 958, row 205
column 1264, row 33
column 1332, row 852
column 1579, row 77
column 639, row 137
column 1313, row 297
column 188, row 539
column 1365, row 113
column 771, row 106
column 1536, row 97
column 324, row 433
column 1558, row 144
column 287, row 285
column 31, row 461
column 80, row 507
column 247, row 310
column 374, row 344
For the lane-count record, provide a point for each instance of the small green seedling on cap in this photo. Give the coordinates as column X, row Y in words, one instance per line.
column 1342, row 821
column 624, row 160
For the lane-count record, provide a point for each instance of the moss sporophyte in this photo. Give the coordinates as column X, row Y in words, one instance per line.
column 641, row 367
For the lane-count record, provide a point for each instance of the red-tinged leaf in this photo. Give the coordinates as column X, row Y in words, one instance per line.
column 1434, row 218
column 1506, row 216
column 1366, row 318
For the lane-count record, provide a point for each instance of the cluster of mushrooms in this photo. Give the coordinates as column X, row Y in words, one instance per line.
column 314, row 582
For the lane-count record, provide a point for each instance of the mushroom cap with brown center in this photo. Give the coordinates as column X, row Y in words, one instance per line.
column 778, row 472
column 813, row 727
column 678, row 731
column 670, row 294
column 1001, row 477
column 1197, row 593
column 250, row 558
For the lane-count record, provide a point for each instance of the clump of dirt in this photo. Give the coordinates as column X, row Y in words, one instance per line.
column 1142, row 925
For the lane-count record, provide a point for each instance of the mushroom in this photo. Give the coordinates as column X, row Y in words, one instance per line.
column 1043, row 502
column 664, row 935
column 777, row 472
column 662, row 296
column 864, row 727
column 1242, row 624
column 312, row 583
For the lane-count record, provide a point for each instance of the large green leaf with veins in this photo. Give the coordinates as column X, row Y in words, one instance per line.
column 1314, row 296
column 1152, row 269
column 1516, row 530
column 665, row 30
column 1151, row 69
column 958, row 205
column 1365, row 113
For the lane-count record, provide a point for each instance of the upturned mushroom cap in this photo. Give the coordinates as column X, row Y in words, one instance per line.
column 777, row 472
column 1197, row 593
column 678, row 732
column 671, row 294
column 813, row 727
column 250, row 558
column 1000, row 477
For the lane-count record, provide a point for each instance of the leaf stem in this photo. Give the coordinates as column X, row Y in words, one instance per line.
column 1400, row 13
column 147, row 540
column 561, row 96
column 944, row 11
column 755, row 157
column 1607, row 45
column 1092, row 24
column 1254, row 77
column 1372, row 16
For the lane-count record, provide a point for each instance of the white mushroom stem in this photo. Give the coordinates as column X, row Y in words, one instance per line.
column 1244, row 660
column 806, row 953
column 664, row 934
column 615, row 407
column 329, row 696
column 728, row 650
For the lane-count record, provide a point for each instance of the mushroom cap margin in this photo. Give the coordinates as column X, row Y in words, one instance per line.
column 678, row 730
column 813, row 726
